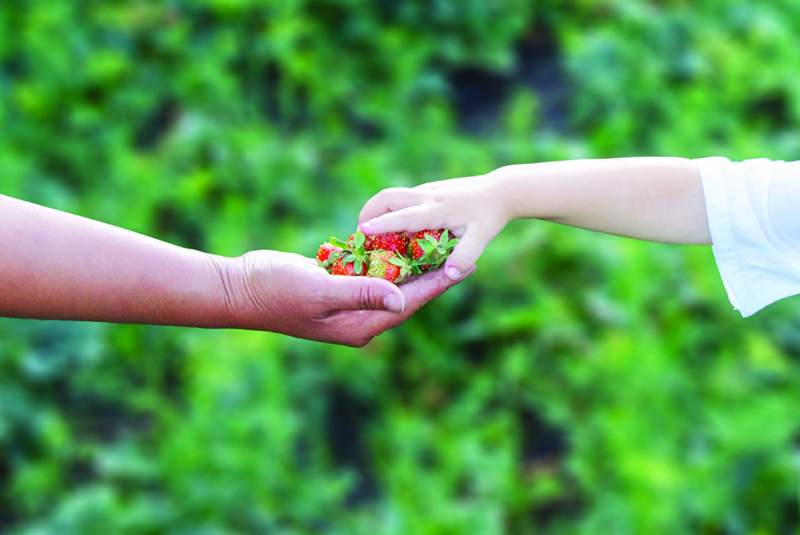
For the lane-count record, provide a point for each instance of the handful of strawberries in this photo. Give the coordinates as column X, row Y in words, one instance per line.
column 393, row 256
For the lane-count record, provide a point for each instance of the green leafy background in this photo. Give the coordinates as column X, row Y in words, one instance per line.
column 576, row 384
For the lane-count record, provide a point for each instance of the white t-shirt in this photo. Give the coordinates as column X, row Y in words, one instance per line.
column 754, row 217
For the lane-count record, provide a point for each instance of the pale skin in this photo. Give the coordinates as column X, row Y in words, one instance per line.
column 654, row 198
column 55, row 265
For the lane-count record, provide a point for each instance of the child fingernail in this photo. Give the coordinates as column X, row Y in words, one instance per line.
column 452, row 273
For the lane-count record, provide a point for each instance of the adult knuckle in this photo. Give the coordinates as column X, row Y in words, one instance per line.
column 363, row 297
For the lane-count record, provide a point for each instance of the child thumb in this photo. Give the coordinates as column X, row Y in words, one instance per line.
column 467, row 251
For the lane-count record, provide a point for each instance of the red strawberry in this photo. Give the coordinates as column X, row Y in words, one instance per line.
column 417, row 251
column 340, row 267
column 325, row 252
column 354, row 252
column 356, row 240
column 353, row 260
column 389, row 266
column 390, row 241
column 432, row 245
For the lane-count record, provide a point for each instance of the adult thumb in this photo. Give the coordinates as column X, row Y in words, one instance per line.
column 368, row 293
column 467, row 251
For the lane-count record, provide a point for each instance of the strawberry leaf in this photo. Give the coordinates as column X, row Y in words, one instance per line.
column 358, row 239
column 338, row 243
column 398, row 262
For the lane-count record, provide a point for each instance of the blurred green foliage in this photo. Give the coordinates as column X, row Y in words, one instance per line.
column 577, row 383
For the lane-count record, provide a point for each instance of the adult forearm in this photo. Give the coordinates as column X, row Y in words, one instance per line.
column 656, row 199
column 55, row 265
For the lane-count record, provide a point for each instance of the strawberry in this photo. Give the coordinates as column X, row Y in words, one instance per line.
column 356, row 240
column 355, row 253
column 430, row 248
column 417, row 251
column 390, row 241
column 388, row 265
column 344, row 258
column 340, row 267
column 327, row 254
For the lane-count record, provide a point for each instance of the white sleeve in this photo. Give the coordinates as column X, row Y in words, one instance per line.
column 753, row 212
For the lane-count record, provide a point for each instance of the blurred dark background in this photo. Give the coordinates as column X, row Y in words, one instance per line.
column 577, row 383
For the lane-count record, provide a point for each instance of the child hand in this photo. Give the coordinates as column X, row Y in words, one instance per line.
column 472, row 208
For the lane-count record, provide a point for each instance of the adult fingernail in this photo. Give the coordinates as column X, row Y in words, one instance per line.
column 392, row 303
column 452, row 273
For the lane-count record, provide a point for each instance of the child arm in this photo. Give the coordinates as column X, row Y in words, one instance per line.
column 653, row 198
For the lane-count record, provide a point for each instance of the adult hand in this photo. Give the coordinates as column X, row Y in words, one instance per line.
column 290, row 294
